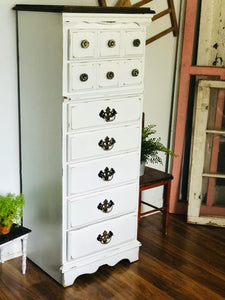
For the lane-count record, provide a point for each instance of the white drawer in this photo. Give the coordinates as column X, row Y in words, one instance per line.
column 134, row 42
column 108, row 74
column 102, row 173
column 102, row 142
column 109, row 43
column 82, row 44
column 132, row 72
column 82, row 76
column 83, row 211
column 105, row 112
column 91, row 239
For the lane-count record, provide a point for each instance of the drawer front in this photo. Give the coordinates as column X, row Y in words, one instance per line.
column 108, row 74
column 134, row 43
column 103, row 113
column 102, row 173
column 82, row 76
column 102, row 206
column 101, row 236
column 132, row 72
column 109, row 43
column 102, row 142
column 82, row 44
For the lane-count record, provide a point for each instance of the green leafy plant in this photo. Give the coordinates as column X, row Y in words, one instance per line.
column 11, row 209
column 150, row 146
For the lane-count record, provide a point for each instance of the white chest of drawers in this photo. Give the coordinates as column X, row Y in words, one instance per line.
column 81, row 92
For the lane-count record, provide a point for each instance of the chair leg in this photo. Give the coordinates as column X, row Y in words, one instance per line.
column 166, row 203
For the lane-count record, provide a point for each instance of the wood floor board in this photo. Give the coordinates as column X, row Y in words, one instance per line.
column 189, row 263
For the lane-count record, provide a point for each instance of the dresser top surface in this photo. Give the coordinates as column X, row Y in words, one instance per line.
column 83, row 9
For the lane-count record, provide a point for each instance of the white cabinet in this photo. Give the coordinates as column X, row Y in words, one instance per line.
column 81, row 94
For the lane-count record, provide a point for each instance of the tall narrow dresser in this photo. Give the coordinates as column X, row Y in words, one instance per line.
column 81, row 74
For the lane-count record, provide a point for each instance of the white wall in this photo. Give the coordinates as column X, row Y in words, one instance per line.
column 160, row 59
column 159, row 76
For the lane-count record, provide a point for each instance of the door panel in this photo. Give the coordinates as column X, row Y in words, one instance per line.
column 206, row 201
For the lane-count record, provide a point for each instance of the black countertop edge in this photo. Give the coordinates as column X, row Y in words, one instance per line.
column 83, row 9
column 14, row 233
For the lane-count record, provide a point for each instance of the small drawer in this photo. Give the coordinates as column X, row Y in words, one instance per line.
column 102, row 173
column 103, row 113
column 82, row 76
column 134, row 42
column 108, row 74
column 82, row 44
column 101, row 236
column 109, row 43
column 132, row 72
column 102, row 142
column 101, row 206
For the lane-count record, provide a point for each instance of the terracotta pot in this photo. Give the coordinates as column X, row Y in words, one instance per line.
column 4, row 229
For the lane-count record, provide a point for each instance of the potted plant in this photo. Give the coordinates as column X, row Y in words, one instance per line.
column 11, row 211
column 150, row 146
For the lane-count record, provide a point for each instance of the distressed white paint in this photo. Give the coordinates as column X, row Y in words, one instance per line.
column 211, row 46
column 159, row 70
column 49, row 117
column 198, row 156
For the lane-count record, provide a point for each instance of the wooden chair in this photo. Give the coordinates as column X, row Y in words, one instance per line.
column 154, row 178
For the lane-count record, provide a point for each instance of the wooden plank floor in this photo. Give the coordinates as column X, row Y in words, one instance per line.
column 187, row 264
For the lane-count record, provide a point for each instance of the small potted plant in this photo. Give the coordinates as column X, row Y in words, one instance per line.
column 11, row 211
column 150, row 146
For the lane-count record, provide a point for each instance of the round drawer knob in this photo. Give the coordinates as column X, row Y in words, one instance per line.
column 110, row 75
column 85, row 44
column 136, row 43
column 135, row 72
column 84, row 77
column 111, row 43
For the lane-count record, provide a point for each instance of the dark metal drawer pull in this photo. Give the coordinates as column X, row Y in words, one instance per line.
column 105, row 238
column 107, row 174
column 108, row 115
column 85, row 44
column 111, row 43
column 135, row 72
column 110, row 75
column 106, row 206
column 84, row 77
column 136, row 43
column 107, row 144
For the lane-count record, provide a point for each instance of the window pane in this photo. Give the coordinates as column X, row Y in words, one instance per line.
column 216, row 116
column 214, row 154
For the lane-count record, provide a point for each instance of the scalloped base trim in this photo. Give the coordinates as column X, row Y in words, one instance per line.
column 90, row 265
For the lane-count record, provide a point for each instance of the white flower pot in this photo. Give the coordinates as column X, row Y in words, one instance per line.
column 142, row 168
